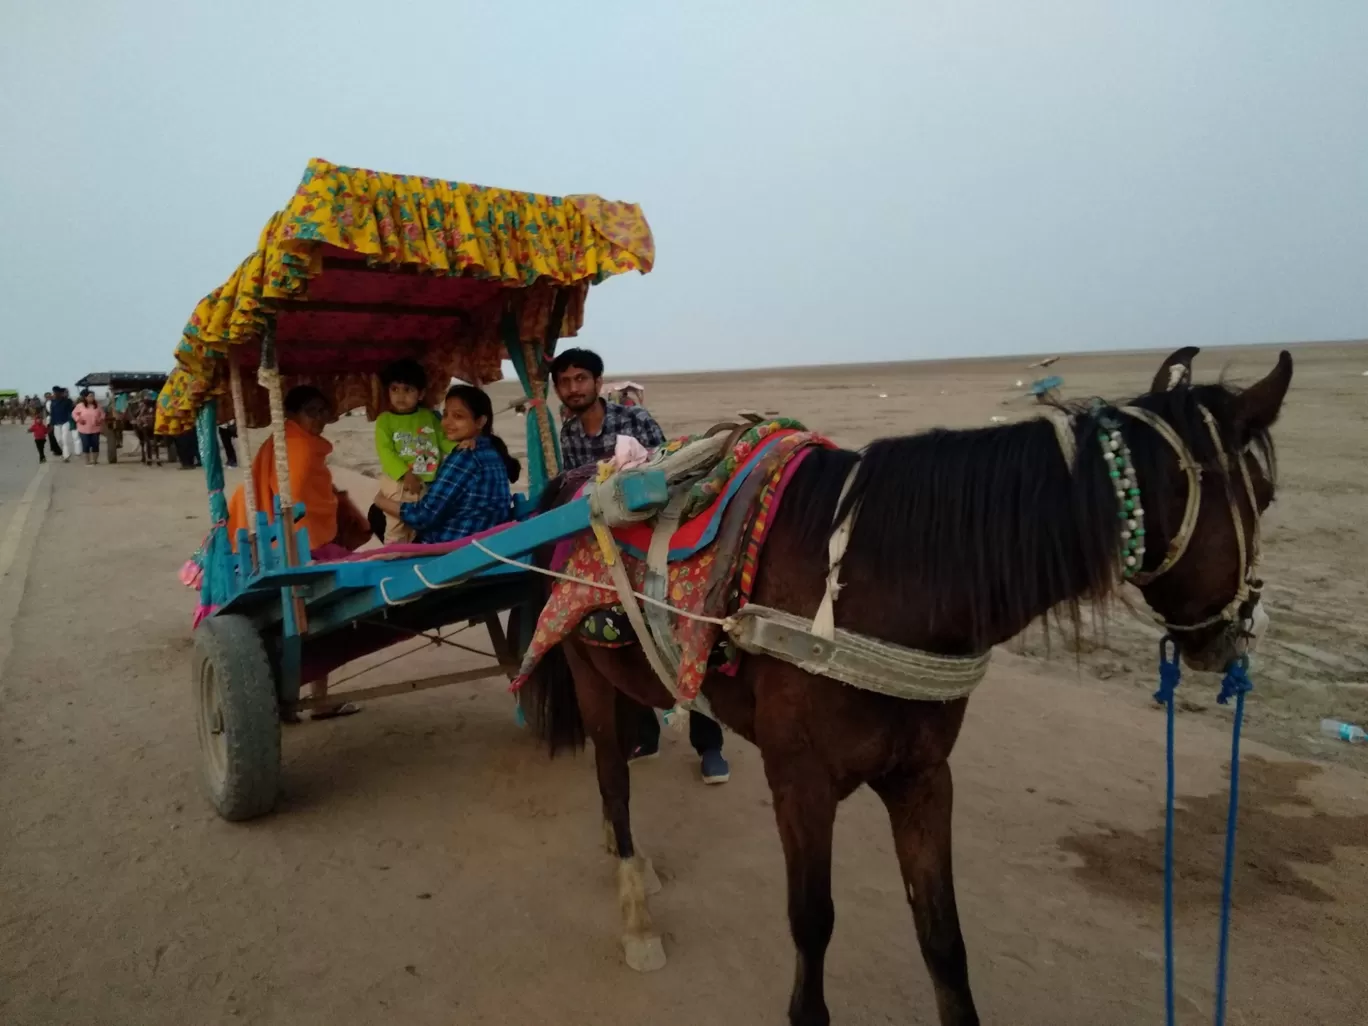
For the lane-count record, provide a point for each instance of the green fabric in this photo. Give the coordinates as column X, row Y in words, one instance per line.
column 401, row 439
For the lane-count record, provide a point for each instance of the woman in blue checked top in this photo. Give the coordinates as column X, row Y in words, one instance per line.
column 470, row 493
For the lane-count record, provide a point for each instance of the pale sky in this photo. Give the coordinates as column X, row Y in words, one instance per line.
column 826, row 182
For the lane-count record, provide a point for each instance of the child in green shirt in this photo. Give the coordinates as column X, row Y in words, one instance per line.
column 408, row 440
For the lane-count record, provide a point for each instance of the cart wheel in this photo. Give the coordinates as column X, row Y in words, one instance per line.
column 238, row 718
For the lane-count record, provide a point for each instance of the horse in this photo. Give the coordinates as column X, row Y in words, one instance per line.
column 144, row 420
column 960, row 540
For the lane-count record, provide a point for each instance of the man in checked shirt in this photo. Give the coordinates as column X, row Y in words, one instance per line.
column 589, row 435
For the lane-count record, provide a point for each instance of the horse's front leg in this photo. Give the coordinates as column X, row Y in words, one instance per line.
column 641, row 944
column 919, row 805
column 805, row 808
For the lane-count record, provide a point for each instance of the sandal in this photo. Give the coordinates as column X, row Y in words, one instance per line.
column 345, row 709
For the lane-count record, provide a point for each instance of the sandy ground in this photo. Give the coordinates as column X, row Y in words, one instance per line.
column 429, row 866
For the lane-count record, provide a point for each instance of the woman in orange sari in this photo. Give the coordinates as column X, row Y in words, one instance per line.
column 335, row 525
column 329, row 516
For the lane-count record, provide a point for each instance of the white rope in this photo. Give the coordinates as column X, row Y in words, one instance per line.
column 385, row 595
column 245, row 460
column 699, row 617
column 269, row 377
column 1063, row 425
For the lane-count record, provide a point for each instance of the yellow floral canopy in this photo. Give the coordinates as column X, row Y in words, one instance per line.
column 364, row 267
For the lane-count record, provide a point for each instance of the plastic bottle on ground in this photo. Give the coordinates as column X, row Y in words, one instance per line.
column 1344, row 731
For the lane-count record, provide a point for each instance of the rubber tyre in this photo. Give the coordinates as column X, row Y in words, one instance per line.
column 237, row 718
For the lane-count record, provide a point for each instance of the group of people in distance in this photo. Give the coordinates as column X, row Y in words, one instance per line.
column 64, row 426
column 448, row 476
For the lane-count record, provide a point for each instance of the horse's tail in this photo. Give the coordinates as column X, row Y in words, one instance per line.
column 549, row 704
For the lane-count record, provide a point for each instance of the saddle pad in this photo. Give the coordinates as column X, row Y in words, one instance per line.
column 712, row 580
column 698, row 533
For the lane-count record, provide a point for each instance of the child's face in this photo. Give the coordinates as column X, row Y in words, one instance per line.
column 458, row 423
column 404, row 398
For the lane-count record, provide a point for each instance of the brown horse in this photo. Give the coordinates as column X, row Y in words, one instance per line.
column 962, row 539
column 143, row 418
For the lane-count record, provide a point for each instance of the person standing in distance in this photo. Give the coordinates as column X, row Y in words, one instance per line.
column 589, row 435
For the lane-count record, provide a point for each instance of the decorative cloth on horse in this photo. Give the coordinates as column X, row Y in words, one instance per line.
column 607, row 628
column 705, row 491
column 710, row 580
column 701, row 520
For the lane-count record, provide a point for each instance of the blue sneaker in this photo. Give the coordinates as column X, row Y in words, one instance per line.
column 715, row 768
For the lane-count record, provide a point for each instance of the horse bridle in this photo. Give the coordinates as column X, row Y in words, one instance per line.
column 1238, row 614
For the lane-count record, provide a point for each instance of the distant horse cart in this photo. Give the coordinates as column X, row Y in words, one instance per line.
column 128, row 392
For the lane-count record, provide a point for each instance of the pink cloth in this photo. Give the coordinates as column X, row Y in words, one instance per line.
column 330, row 553
column 629, row 453
column 89, row 419
column 398, row 550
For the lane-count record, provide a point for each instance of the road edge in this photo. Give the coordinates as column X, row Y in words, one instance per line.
column 15, row 557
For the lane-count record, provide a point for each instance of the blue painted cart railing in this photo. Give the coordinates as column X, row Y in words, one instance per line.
column 276, row 626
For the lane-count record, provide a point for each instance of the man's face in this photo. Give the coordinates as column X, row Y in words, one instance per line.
column 577, row 388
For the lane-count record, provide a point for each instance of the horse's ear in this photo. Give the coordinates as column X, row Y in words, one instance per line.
column 1258, row 406
column 1176, row 370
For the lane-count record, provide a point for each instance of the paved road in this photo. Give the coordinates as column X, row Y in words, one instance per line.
column 24, row 493
column 18, row 463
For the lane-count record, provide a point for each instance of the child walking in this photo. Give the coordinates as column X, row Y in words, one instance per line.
column 39, row 431
column 409, row 442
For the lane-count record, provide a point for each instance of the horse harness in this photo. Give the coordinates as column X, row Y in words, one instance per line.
column 871, row 664
column 1243, row 614
column 820, row 648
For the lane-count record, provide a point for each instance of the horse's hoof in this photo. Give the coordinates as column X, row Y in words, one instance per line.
column 649, row 879
column 644, row 954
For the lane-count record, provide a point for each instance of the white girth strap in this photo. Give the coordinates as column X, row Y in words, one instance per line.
column 1063, row 425
column 824, row 623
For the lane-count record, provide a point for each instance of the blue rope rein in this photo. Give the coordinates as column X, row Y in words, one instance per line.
column 1235, row 684
column 1170, row 676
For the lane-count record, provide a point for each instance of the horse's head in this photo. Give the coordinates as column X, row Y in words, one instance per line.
column 1204, row 461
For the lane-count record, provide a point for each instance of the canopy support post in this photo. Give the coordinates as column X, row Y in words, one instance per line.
column 529, row 359
column 215, row 589
column 245, row 459
column 533, row 358
column 294, row 619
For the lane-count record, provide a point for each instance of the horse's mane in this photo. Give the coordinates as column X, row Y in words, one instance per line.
column 989, row 526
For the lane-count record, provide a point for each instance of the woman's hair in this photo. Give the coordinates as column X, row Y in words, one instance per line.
column 477, row 402
column 404, row 372
column 300, row 396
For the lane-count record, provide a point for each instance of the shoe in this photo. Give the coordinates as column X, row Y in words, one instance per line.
column 715, row 768
column 643, row 753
